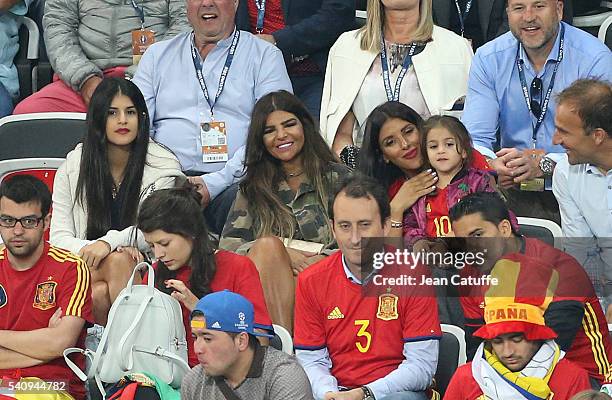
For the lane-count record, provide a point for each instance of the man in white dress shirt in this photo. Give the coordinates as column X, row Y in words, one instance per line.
column 582, row 183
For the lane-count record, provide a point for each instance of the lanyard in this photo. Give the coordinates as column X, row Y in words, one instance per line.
column 394, row 96
column 519, row 64
column 228, row 62
column 261, row 11
column 140, row 11
column 463, row 16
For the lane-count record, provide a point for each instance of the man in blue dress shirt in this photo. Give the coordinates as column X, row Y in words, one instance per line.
column 510, row 104
column 200, row 88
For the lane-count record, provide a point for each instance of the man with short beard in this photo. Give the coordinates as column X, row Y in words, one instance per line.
column 511, row 98
column 45, row 298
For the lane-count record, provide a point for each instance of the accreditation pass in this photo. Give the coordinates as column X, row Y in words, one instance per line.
column 214, row 141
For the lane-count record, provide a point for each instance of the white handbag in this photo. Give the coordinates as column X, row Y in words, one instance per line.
column 144, row 333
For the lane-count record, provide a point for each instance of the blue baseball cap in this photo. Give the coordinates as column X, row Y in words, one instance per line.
column 227, row 311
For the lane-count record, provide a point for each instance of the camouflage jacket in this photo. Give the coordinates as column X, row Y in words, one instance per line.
column 310, row 219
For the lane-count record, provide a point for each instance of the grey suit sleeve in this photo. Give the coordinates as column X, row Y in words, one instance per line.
column 177, row 16
column 61, row 23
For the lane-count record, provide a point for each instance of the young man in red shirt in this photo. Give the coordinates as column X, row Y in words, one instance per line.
column 574, row 312
column 45, row 298
column 518, row 359
column 353, row 344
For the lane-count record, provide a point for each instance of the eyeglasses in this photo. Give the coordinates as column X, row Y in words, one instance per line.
column 536, row 97
column 26, row 222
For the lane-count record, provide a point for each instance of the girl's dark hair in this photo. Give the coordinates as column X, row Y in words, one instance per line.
column 264, row 172
column 178, row 211
column 463, row 140
column 95, row 183
column 371, row 161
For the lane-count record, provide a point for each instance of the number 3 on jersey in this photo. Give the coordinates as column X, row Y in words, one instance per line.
column 363, row 333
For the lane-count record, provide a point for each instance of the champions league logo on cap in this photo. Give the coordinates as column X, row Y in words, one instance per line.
column 242, row 325
column 230, row 312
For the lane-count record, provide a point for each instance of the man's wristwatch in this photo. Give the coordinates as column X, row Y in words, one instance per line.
column 547, row 165
column 367, row 393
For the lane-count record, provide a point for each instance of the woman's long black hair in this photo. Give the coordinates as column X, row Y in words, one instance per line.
column 95, row 184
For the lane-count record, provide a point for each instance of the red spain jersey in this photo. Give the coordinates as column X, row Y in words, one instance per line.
column 29, row 298
column 235, row 273
column 436, row 211
column 364, row 335
column 566, row 380
column 591, row 348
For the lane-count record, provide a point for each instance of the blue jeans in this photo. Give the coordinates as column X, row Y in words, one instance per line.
column 309, row 89
column 405, row 396
column 6, row 102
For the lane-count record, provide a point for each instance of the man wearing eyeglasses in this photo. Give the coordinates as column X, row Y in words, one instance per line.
column 45, row 298
column 510, row 104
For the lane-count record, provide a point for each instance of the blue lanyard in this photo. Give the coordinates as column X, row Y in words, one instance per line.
column 140, row 11
column 261, row 11
column 228, row 62
column 463, row 16
column 394, row 96
column 519, row 64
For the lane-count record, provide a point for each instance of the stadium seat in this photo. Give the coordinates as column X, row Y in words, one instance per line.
column 452, row 354
column 42, row 168
column 590, row 20
column 27, row 56
column 605, row 32
column 282, row 340
column 47, row 135
column 545, row 230
column 360, row 17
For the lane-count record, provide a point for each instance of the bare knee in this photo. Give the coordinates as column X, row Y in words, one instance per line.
column 116, row 266
column 268, row 252
column 267, row 246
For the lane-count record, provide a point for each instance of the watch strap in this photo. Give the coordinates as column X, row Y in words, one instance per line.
column 367, row 393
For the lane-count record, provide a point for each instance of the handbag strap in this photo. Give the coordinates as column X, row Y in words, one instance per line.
column 227, row 391
column 75, row 368
column 111, row 317
column 161, row 352
column 130, row 361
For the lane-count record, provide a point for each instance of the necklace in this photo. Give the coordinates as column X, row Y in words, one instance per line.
column 115, row 189
column 294, row 174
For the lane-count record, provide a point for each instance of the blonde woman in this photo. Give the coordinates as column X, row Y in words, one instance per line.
column 421, row 65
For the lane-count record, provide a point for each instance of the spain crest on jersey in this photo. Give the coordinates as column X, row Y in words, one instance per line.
column 3, row 297
column 44, row 299
column 387, row 307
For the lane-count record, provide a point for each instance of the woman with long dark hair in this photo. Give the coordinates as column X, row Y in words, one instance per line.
column 392, row 154
column 290, row 174
column 187, row 267
column 98, row 189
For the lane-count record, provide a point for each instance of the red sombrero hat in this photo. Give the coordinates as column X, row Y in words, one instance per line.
column 518, row 302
